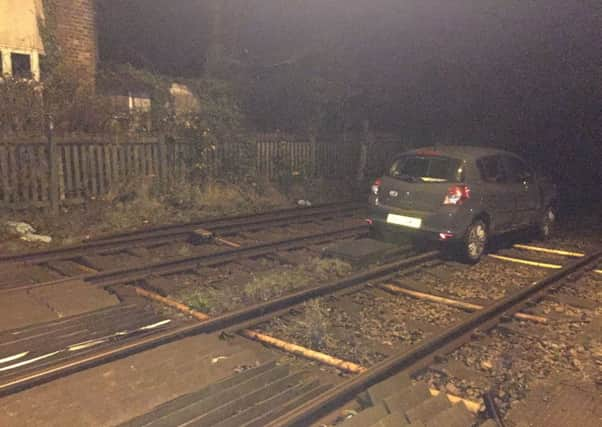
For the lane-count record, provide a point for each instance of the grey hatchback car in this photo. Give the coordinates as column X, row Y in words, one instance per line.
column 461, row 194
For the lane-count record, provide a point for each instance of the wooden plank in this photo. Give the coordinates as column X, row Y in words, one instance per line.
column 261, row 157
column 140, row 156
column 53, row 175
column 4, row 183
column 32, row 172
column 163, row 162
column 129, row 162
column 141, row 160
column 150, row 164
column 267, row 155
column 123, row 160
column 148, row 157
column 101, row 169
column 271, row 156
column 69, row 189
column 182, row 161
column 177, row 160
column 136, row 159
column 77, row 172
column 85, row 169
column 257, row 160
column 115, row 150
column 61, row 173
column 155, row 159
column 92, row 170
column 22, row 177
column 174, row 161
column 120, row 156
column 43, row 172
column 108, row 166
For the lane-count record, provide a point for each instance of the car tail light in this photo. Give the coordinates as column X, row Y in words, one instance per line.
column 456, row 195
column 376, row 186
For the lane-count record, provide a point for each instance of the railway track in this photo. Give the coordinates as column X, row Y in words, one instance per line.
column 308, row 401
column 116, row 259
column 388, row 388
column 153, row 237
column 379, row 385
column 49, row 347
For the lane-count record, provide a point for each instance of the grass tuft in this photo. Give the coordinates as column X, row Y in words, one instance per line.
column 264, row 286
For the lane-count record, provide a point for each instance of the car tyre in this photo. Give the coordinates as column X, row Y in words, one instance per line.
column 545, row 227
column 376, row 233
column 474, row 242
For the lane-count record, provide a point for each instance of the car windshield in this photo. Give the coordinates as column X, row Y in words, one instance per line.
column 427, row 169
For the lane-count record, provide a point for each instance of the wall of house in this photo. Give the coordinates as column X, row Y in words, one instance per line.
column 76, row 35
column 19, row 33
column 19, row 24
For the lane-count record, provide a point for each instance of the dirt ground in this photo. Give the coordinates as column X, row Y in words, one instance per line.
column 143, row 204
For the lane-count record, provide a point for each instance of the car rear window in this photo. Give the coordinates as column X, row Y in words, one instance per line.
column 427, row 169
column 492, row 169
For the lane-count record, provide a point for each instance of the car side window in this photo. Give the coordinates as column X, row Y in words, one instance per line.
column 517, row 170
column 491, row 169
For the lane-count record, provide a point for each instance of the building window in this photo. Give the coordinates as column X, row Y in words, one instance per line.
column 21, row 65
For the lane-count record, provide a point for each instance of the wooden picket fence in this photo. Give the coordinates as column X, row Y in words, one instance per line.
column 274, row 156
column 90, row 167
column 86, row 168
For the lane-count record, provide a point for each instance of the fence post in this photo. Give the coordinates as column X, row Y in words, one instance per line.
column 366, row 144
column 53, row 184
column 313, row 155
column 163, row 172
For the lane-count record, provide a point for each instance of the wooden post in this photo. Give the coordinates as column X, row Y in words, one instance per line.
column 163, row 172
column 366, row 145
column 53, row 182
column 313, row 155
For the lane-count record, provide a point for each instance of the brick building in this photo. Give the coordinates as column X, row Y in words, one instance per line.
column 76, row 34
column 21, row 41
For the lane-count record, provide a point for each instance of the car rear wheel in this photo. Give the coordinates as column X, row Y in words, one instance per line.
column 474, row 242
column 376, row 232
column 546, row 224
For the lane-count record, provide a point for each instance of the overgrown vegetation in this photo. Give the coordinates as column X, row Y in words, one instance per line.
column 71, row 102
column 315, row 318
column 144, row 201
column 264, row 286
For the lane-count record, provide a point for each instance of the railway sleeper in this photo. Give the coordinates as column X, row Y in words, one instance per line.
column 252, row 397
column 397, row 401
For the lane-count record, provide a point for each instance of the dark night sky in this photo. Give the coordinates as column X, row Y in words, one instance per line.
column 524, row 74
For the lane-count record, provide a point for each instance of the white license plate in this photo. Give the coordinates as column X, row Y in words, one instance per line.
column 406, row 221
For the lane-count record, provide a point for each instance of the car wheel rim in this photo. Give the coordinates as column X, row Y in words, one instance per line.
column 476, row 241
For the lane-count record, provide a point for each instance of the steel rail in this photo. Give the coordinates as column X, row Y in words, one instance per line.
column 167, row 234
column 121, row 275
column 225, row 321
column 419, row 356
column 228, row 220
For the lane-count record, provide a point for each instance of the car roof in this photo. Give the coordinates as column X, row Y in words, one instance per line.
column 460, row 151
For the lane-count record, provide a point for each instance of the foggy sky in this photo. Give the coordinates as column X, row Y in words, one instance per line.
column 524, row 74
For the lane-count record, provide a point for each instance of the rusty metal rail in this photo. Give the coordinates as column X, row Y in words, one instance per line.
column 118, row 276
column 179, row 232
column 419, row 357
column 236, row 319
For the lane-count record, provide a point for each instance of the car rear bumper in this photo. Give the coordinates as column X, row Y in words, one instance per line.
column 448, row 223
